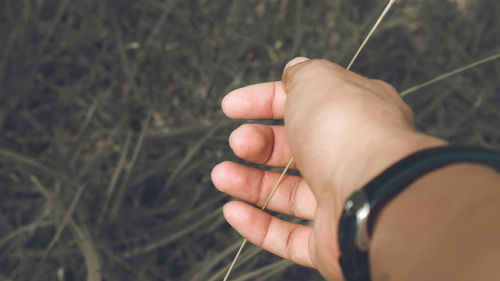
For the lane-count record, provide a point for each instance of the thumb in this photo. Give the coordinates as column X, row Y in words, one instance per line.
column 289, row 65
column 317, row 111
column 295, row 61
column 302, row 68
column 311, row 84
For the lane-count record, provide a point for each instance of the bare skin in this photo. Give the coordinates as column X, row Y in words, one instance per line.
column 343, row 130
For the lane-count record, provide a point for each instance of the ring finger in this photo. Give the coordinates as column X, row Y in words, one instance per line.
column 292, row 197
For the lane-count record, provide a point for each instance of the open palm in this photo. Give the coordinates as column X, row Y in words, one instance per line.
column 263, row 144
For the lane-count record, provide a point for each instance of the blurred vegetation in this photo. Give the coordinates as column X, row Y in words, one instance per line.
column 110, row 119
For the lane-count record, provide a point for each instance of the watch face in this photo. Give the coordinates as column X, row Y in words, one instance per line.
column 353, row 237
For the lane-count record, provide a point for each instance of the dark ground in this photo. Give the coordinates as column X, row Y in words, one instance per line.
column 111, row 123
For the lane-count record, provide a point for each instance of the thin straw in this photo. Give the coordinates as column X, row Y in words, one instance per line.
column 375, row 26
column 448, row 74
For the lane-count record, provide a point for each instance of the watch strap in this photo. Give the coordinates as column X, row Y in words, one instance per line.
column 363, row 205
column 399, row 176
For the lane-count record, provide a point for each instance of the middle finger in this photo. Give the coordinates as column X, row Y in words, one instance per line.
column 261, row 144
column 293, row 197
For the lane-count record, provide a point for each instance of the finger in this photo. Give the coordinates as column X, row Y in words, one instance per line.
column 282, row 238
column 317, row 72
column 292, row 197
column 261, row 144
column 259, row 101
column 296, row 61
column 289, row 65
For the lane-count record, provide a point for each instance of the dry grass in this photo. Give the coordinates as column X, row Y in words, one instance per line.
column 111, row 123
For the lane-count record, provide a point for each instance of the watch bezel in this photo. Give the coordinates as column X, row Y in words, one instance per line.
column 353, row 236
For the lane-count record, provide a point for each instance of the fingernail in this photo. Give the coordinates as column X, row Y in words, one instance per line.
column 295, row 61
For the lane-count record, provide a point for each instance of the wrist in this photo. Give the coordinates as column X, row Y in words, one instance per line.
column 435, row 209
column 438, row 224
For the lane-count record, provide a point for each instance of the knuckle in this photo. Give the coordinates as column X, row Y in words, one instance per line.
column 289, row 244
column 386, row 86
column 315, row 66
column 325, row 65
column 292, row 199
column 408, row 114
column 265, row 235
column 261, row 195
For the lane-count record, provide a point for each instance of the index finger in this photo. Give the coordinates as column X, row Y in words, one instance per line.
column 259, row 101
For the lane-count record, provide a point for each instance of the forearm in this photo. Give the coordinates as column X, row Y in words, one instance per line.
column 445, row 226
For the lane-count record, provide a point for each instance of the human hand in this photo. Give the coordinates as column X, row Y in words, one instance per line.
column 342, row 128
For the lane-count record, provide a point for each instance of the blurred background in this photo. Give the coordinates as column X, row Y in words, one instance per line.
column 110, row 118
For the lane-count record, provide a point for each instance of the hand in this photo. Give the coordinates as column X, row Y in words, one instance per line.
column 342, row 128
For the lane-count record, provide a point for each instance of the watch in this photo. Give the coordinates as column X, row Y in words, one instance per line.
column 361, row 207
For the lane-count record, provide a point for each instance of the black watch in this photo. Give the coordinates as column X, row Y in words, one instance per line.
column 361, row 207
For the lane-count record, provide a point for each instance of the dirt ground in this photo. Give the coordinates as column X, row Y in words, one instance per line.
column 110, row 119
